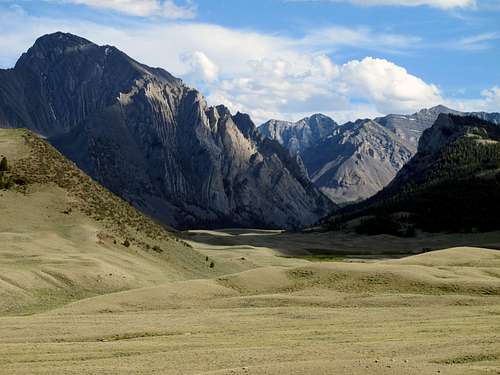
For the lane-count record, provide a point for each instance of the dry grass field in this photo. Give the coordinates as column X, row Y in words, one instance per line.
column 75, row 300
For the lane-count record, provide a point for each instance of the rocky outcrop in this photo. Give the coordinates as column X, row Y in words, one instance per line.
column 410, row 127
column 352, row 162
column 154, row 141
column 301, row 135
column 356, row 160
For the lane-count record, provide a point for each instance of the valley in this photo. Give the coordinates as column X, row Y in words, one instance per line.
column 273, row 312
column 88, row 285
column 146, row 231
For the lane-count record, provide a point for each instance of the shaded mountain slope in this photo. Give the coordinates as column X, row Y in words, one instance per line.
column 154, row 141
column 451, row 184
column 354, row 161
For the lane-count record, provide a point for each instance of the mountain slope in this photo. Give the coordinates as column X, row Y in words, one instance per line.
column 411, row 127
column 154, row 141
column 452, row 183
column 300, row 135
column 63, row 237
column 361, row 158
column 354, row 161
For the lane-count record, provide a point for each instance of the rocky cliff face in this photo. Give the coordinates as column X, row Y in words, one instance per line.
column 410, row 127
column 154, row 141
column 361, row 158
column 301, row 135
column 354, row 161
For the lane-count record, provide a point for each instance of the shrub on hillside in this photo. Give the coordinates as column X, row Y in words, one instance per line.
column 4, row 165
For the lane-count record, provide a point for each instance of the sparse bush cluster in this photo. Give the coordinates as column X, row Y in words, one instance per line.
column 6, row 178
column 4, row 165
column 211, row 263
column 157, row 249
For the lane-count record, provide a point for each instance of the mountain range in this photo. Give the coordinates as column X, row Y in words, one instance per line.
column 154, row 141
column 451, row 184
column 354, row 161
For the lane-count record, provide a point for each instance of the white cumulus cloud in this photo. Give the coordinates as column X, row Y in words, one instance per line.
column 317, row 84
column 389, row 86
column 142, row 8
column 201, row 67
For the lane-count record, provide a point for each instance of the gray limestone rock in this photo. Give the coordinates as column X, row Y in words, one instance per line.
column 154, row 141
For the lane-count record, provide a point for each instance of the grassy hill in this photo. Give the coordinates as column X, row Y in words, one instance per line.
column 75, row 299
column 426, row 314
column 64, row 237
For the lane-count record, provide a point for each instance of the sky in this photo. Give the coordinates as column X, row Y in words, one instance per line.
column 287, row 59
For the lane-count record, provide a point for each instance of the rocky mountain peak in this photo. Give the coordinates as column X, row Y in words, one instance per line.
column 154, row 141
column 59, row 39
column 245, row 124
column 222, row 110
column 440, row 108
column 319, row 119
column 300, row 135
column 355, row 160
column 49, row 48
column 434, row 110
column 74, row 55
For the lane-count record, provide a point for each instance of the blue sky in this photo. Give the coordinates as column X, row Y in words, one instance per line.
column 290, row 58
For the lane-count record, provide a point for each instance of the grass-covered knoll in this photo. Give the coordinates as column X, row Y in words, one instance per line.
column 390, row 277
column 44, row 164
column 63, row 237
column 432, row 313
